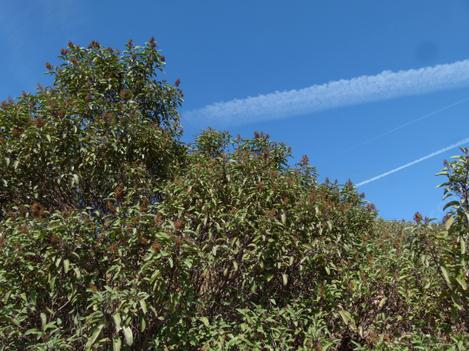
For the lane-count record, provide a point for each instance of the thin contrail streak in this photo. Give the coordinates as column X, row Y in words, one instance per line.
column 345, row 92
column 421, row 159
column 421, row 118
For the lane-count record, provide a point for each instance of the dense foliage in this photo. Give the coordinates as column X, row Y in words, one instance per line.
column 116, row 235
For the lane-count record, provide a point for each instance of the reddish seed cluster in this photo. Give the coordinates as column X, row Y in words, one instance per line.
column 155, row 246
column 94, row 45
column 113, row 249
column 152, row 43
column 179, row 224
column 16, row 132
column 418, row 217
column 54, row 239
column 304, row 160
column 37, row 210
column 119, row 192
column 124, row 94
column 142, row 241
column 158, row 219
column 110, row 206
column 38, row 122
column 144, row 202
column 108, row 117
column 271, row 213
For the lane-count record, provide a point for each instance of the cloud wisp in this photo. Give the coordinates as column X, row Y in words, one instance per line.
column 359, row 90
column 421, row 159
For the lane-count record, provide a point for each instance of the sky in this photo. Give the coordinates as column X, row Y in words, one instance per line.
column 372, row 91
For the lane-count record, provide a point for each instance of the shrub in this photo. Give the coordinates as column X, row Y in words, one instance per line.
column 105, row 123
column 116, row 235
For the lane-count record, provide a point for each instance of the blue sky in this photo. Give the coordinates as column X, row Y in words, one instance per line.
column 223, row 50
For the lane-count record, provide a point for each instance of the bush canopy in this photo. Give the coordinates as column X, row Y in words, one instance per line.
column 114, row 234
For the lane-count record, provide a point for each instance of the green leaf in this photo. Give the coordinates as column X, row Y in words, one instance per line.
column 94, row 337
column 284, row 279
column 446, row 276
column 143, row 324
column 128, row 335
column 77, row 272
column 66, row 265
column 214, row 250
column 449, row 222
column 43, row 320
column 143, row 306
column 205, row 321
column 347, row 318
column 117, row 321
column 116, row 344
column 75, row 180
column 382, row 302
column 283, row 218
column 451, row 204
column 462, row 282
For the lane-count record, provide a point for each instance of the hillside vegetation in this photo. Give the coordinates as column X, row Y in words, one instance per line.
column 115, row 235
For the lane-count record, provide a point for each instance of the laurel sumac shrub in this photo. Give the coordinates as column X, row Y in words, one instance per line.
column 269, row 232
column 105, row 122
column 114, row 234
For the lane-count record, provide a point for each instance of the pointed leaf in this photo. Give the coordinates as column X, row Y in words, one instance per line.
column 449, row 222
column 129, row 336
column 462, row 282
column 116, row 344
column 284, row 279
column 205, row 321
column 94, row 337
column 117, row 321
column 446, row 276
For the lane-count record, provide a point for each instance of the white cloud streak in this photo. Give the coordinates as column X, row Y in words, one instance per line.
column 421, row 159
column 359, row 90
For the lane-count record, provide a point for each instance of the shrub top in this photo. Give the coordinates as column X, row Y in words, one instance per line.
column 106, row 122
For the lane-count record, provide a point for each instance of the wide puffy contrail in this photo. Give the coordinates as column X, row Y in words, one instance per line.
column 383, row 86
column 421, row 159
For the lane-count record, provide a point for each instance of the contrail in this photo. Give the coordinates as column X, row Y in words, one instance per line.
column 406, row 124
column 364, row 89
column 421, row 159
